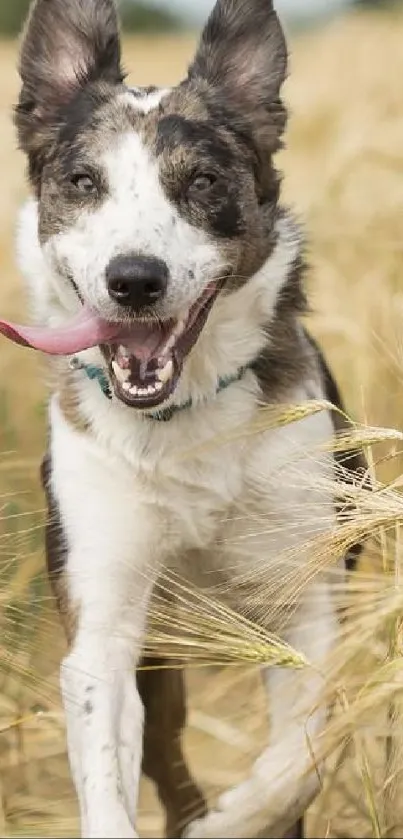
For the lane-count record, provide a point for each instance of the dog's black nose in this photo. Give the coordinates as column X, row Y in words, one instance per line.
column 136, row 281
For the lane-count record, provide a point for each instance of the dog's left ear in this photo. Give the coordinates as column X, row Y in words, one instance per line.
column 66, row 45
column 243, row 54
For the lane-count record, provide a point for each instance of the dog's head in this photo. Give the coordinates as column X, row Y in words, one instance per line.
column 151, row 201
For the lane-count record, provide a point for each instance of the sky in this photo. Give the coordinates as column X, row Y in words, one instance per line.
column 198, row 9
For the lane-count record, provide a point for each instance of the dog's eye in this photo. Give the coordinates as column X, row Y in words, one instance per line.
column 84, row 184
column 202, row 183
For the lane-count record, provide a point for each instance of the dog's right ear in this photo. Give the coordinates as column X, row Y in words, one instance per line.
column 66, row 44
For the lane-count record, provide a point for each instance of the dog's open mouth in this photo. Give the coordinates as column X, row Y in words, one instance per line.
column 144, row 357
column 145, row 366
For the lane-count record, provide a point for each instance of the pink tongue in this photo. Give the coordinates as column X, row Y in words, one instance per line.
column 85, row 330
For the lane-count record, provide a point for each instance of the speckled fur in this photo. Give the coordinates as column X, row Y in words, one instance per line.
column 131, row 497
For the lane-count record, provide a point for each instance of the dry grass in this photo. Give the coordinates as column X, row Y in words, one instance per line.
column 342, row 169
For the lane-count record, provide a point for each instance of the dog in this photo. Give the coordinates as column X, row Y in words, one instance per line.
column 166, row 282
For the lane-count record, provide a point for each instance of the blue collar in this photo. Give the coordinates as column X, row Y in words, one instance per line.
column 95, row 373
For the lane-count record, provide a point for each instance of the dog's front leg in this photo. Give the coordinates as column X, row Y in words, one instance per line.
column 284, row 779
column 112, row 546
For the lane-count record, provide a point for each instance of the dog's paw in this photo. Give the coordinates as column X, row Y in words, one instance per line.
column 239, row 813
column 217, row 823
column 265, row 804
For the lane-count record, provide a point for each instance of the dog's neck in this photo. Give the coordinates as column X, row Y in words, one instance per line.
column 165, row 414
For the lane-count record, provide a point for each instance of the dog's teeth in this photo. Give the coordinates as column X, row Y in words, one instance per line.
column 121, row 375
column 124, row 363
column 165, row 374
column 159, row 386
column 151, row 389
column 126, row 386
column 142, row 391
column 170, row 344
column 134, row 391
column 180, row 328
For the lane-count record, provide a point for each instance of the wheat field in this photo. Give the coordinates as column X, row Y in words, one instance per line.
column 343, row 170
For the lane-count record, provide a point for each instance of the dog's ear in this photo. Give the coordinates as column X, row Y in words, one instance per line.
column 66, row 44
column 243, row 54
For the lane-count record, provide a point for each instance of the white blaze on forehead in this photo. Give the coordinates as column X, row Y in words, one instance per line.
column 136, row 217
column 145, row 102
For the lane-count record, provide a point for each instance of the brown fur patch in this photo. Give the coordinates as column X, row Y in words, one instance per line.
column 163, row 759
column 352, row 465
column 56, row 553
column 63, row 382
column 287, row 359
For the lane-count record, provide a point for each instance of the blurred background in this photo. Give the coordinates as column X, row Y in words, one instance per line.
column 165, row 15
column 343, row 168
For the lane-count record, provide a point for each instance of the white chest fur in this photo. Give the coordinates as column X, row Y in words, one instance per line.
column 193, row 475
column 183, row 469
